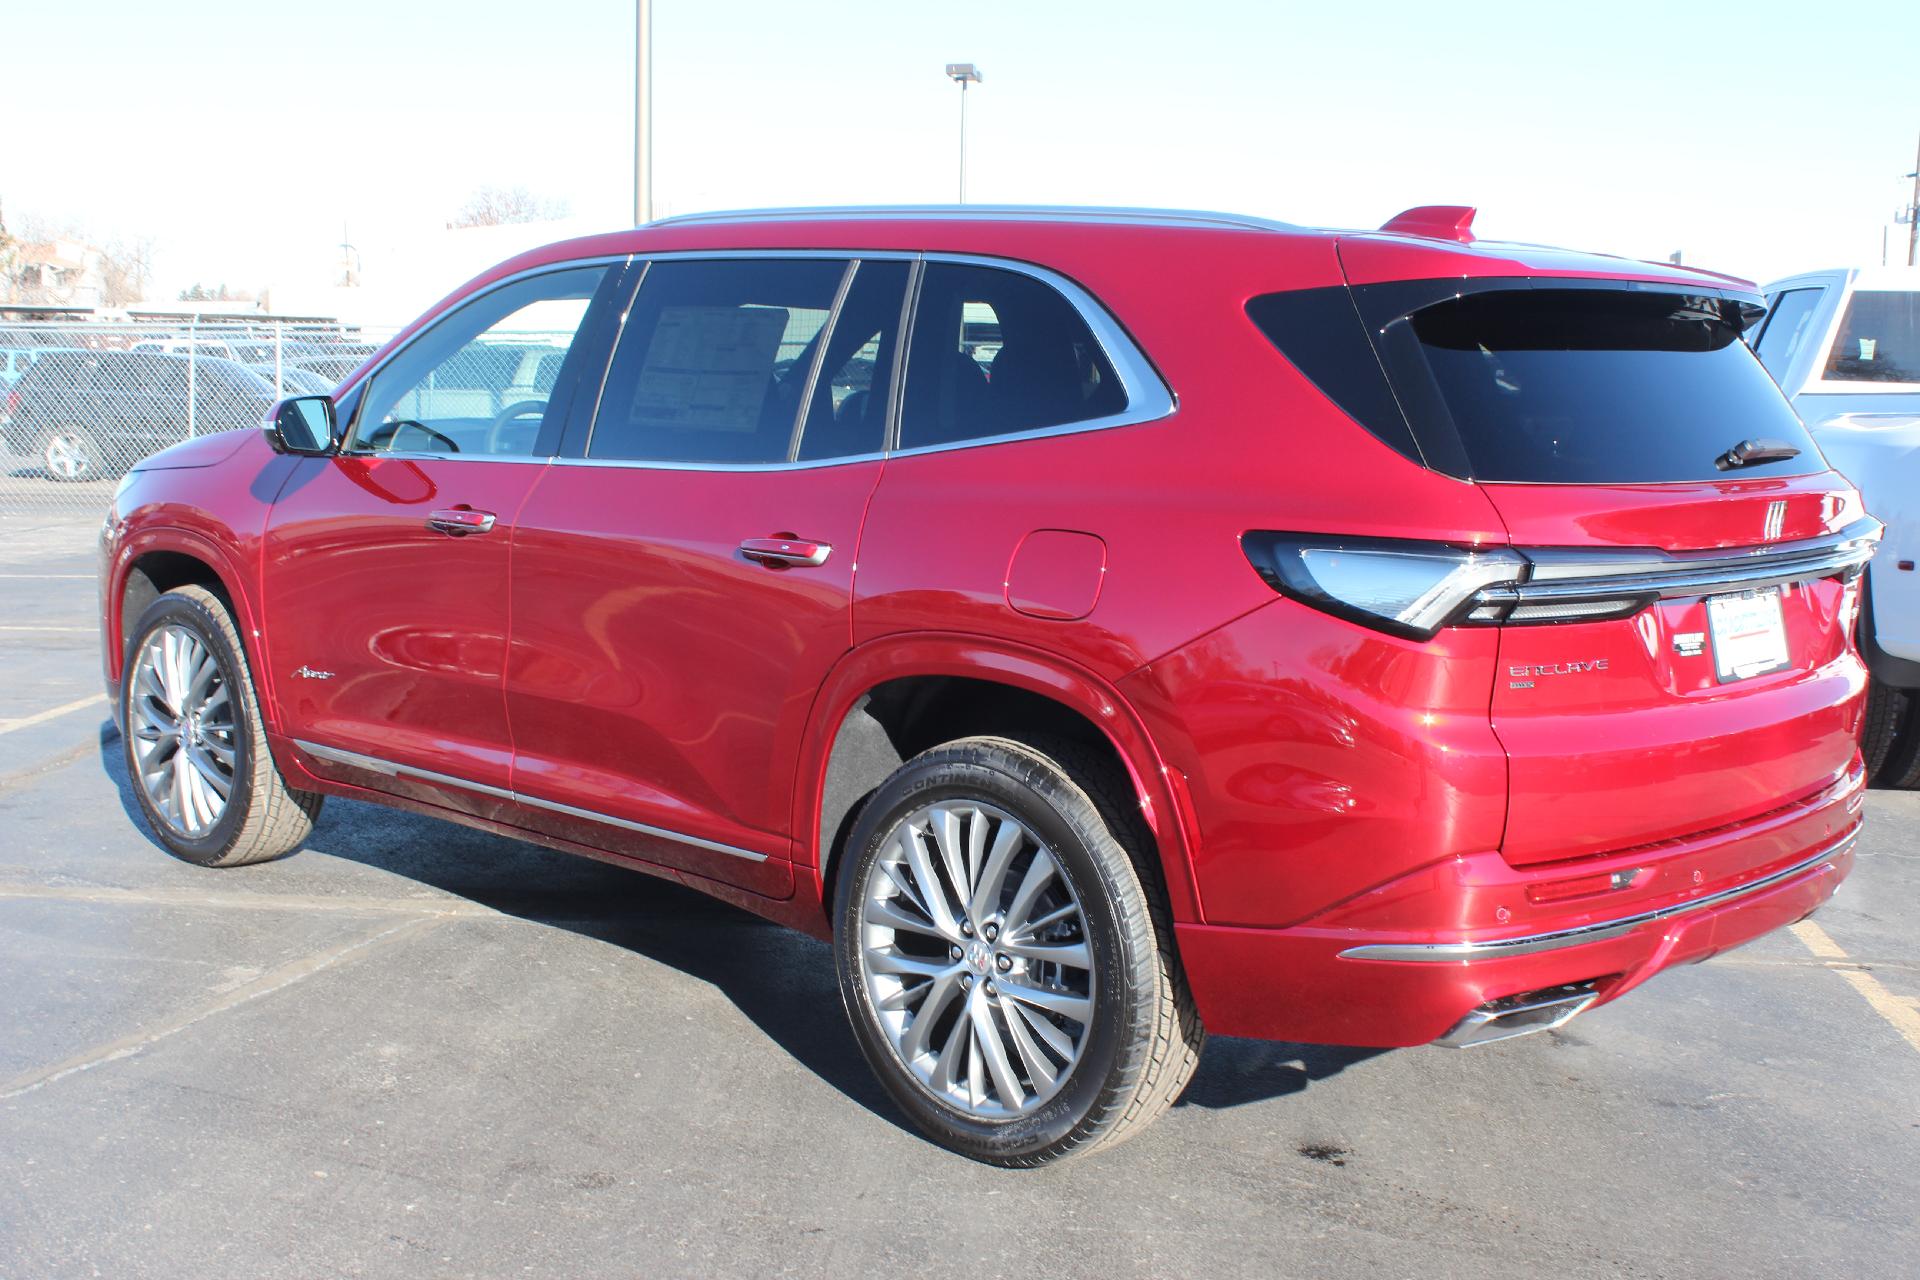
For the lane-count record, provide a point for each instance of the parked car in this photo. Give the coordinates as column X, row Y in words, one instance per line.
column 293, row 380
column 1376, row 639
column 1844, row 344
column 334, row 368
column 15, row 361
column 89, row 415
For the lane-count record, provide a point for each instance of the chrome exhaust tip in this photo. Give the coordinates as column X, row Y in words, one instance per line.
column 1521, row 1015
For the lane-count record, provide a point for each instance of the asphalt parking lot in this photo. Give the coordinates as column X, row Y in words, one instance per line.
column 417, row 1050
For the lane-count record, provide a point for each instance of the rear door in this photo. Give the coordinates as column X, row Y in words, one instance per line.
column 385, row 567
column 1680, row 657
column 682, row 579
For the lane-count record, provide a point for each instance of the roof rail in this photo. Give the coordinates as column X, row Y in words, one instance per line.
column 996, row 212
column 1436, row 221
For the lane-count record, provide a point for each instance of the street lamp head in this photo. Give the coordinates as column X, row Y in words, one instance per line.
column 964, row 73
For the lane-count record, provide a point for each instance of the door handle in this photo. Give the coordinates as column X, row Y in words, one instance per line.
column 460, row 521
column 785, row 551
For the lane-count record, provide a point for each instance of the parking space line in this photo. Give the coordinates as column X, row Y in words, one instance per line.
column 1903, row 1012
column 266, row 984
column 59, row 760
column 54, row 713
column 434, row 908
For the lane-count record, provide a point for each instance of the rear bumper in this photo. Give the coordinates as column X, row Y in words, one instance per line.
column 1369, row 974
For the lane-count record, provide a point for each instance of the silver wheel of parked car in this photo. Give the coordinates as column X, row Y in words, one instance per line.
column 974, row 947
column 183, row 734
column 69, row 455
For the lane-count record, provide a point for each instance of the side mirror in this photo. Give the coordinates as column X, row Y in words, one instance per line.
column 304, row 425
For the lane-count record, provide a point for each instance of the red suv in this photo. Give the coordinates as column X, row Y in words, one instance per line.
column 1107, row 627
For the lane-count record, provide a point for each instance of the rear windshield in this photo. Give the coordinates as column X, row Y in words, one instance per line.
column 1879, row 339
column 1502, row 382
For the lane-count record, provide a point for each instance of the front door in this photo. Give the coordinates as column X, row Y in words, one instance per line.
column 386, row 566
column 682, row 580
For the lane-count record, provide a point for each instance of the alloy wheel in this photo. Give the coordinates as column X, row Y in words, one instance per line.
column 68, row 457
column 181, row 719
column 976, row 955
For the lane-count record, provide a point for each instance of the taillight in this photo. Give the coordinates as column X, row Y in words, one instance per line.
column 13, row 401
column 1407, row 588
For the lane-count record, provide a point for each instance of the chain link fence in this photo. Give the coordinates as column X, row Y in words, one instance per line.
column 81, row 402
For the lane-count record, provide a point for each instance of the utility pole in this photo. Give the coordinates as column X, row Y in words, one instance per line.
column 1913, row 209
column 643, row 112
column 963, row 74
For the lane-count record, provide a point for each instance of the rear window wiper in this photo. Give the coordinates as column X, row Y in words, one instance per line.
column 1751, row 451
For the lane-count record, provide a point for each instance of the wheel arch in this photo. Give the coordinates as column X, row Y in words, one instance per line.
column 155, row 561
column 892, row 698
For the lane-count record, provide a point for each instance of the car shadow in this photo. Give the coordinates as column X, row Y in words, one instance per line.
column 780, row 980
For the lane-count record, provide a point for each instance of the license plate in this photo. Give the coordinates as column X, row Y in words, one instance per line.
column 1749, row 635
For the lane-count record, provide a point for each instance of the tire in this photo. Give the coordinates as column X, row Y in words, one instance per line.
column 221, row 738
column 71, row 455
column 1887, row 712
column 1139, row 1037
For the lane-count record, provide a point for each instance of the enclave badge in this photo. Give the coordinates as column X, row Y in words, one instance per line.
column 1557, row 668
column 1522, row 673
column 308, row 673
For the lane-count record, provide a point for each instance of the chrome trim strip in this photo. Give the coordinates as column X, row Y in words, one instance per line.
column 641, row 827
column 1148, row 397
column 388, row 768
column 415, row 455
column 1563, row 575
column 1528, row 944
column 632, row 464
column 373, row 764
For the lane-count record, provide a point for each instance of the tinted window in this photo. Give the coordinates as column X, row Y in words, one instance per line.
column 466, row 384
column 713, row 361
column 995, row 352
column 1787, row 322
column 1879, row 339
column 848, row 413
column 1321, row 334
column 1588, row 386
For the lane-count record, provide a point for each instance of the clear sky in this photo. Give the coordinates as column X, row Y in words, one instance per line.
column 1759, row 138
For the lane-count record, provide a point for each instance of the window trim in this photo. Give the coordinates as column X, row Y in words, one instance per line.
column 1773, row 308
column 1818, row 383
column 616, row 262
column 1149, row 399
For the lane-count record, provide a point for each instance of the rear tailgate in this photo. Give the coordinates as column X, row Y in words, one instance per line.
column 1678, row 656
column 1628, row 731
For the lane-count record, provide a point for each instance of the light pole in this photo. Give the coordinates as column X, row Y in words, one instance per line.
column 964, row 74
column 642, row 112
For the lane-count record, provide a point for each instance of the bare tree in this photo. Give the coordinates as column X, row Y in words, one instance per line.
column 124, row 271
column 9, row 261
column 494, row 206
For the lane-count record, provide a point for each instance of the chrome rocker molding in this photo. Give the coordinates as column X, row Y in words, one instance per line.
column 1527, row 944
column 372, row 764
